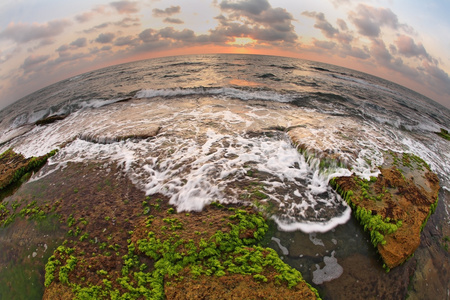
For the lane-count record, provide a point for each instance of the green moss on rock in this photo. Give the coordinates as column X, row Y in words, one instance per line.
column 170, row 250
column 395, row 206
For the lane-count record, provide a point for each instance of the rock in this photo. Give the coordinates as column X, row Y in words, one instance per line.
column 50, row 120
column 13, row 166
column 395, row 206
column 10, row 163
column 444, row 134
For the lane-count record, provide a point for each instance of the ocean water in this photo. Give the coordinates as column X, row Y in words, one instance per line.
column 223, row 123
column 213, row 113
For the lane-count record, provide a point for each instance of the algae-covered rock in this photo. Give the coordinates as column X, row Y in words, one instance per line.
column 395, row 206
column 138, row 247
column 14, row 165
column 173, row 255
column 444, row 134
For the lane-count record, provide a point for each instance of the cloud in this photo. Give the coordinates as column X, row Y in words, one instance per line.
column 166, row 12
column 23, row 33
column 148, row 35
column 324, row 44
column 80, row 42
column 125, row 41
column 338, row 3
column 42, row 43
column 124, row 23
column 128, row 22
column 409, row 48
column 329, row 30
column 439, row 78
column 254, row 7
column 95, row 28
column 89, row 15
column 33, row 60
column 342, row 25
column 84, row 17
column 379, row 52
column 4, row 57
column 104, row 38
column 125, row 7
column 321, row 23
column 63, row 48
column 106, row 48
column 347, row 50
column 255, row 19
column 173, row 21
column 369, row 20
column 383, row 57
column 186, row 35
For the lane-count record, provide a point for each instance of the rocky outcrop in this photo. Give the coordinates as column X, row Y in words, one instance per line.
column 138, row 247
column 13, row 166
column 395, row 206
column 444, row 134
column 50, row 120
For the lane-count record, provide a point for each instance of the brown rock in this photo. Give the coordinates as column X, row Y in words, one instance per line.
column 406, row 191
column 10, row 162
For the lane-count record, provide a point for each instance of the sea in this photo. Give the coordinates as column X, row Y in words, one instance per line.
column 196, row 128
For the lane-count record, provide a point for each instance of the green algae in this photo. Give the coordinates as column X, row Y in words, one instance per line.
column 167, row 253
column 377, row 226
column 29, row 210
column 430, row 212
column 444, row 134
column 32, row 164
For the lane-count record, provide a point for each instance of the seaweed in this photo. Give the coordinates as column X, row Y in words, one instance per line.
column 157, row 257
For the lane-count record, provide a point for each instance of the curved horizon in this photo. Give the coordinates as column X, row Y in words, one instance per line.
column 399, row 42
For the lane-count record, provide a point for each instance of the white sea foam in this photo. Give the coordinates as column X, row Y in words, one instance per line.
column 314, row 226
column 283, row 249
column 222, row 92
column 206, row 147
column 332, row 270
column 315, row 240
column 193, row 170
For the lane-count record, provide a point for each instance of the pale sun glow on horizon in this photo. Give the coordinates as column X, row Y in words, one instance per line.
column 242, row 41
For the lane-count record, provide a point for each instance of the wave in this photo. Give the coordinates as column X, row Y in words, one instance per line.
column 227, row 92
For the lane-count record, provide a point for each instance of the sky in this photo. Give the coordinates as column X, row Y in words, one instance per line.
column 45, row 41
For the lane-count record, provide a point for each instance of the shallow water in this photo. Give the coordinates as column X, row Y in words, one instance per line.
column 226, row 128
column 342, row 264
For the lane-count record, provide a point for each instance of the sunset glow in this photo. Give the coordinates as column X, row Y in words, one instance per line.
column 40, row 46
column 242, row 41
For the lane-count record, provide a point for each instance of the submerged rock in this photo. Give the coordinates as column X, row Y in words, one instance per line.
column 395, row 206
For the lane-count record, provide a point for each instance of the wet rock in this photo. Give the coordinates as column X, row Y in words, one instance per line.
column 51, row 119
column 395, row 206
column 444, row 134
column 10, row 163
column 13, row 166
